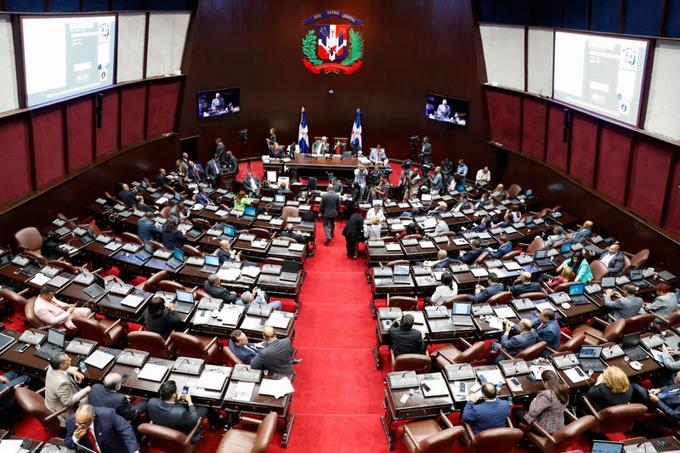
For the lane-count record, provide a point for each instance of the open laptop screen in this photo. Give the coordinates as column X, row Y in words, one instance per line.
column 249, row 211
column 605, row 446
column 590, row 352
column 211, row 260
column 56, row 337
column 461, row 309
column 178, row 254
column 577, row 289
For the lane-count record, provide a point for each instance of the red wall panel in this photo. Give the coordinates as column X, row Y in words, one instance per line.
column 504, row 111
column 651, row 164
column 79, row 123
column 612, row 169
column 107, row 137
column 533, row 128
column 162, row 107
column 133, row 103
column 673, row 217
column 583, row 143
column 48, row 145
column 15, row 171
column 556, row 148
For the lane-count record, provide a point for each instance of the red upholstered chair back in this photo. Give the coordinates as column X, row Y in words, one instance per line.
column 537, row 244
column 626, row 265
column 17, row 301
column 574, row 343
column 265, row 432
column 497, row 440
column 260, row 233
column 448, row 303
column 618, row 419
column 190, row 346
column 532, row 352
column 403, row 302
column 640, row 258
column 614, row 331
column 501, row 298
column 151, row 284
column 638, row 323
column 170, row 286
column 598, row 269
column 441, row 442
column 470, row 354
column 289, row 211
column 90, row 329
column 231, row 357
column 511, row 255
column 150, row 342
column 29, row 238
column 165, row 439
column 29, row 313
column 65, row 265
column 130, row 237
column 484, row 255
column 514, row 190
column 165, row 212
column 33, row 404
column 397, row 262
column 572, row 432
column 538, row 295
column 420, row 363
column 190, row 250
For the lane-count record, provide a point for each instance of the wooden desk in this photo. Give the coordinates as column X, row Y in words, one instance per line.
column 248, row 251
column 253, row 326
column 661, row 444
column 310, row 166
column 273, row 285
column 141, row 387
column 110, row 305
column 202, row 396
column 380, row 254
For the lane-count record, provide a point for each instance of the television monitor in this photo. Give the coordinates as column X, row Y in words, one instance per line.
column 447, row 109
column 65, row 56
column 224, row 101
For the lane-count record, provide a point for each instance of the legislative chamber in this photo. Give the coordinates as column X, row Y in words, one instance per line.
column 360, row 226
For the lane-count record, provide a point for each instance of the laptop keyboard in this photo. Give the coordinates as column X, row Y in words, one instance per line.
column 47, row 351
column 636, row 353
column 461, row 320
column 93, row 291
column 595, row 365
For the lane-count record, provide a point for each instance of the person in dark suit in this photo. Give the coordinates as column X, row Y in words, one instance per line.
column 101, row 430
column 226, row 254
column 666, row 399
column 547, row 328
column 126, row 196
column 404, row 339
column 276, row 151
column 161, row 319
column 213, row 170
column 614, row 259
column 487, row 412
column 517, row 343
column 583, row 233
column 172, row 237
column 471, row 255
column 289, row 232
column 277, row 356
column 252, row 184
column 169, row 411
column 239, row 345
column 147, row 230
column 523, row 284
column 160, row 178
column 106, row 395
column 426, row 151
column 623, row 307
column 219, row 151
column 213, row 287
column 353, row 233
column 462, row 204
column 230, row 163
column 503, row 249
column 484, row 294
column 329, row 211
column 8, row 402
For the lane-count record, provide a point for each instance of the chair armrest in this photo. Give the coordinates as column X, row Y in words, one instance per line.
column 590, row 407
column 256, row 421
column 168, row 341
column 662, row 319
column 40, row 391
column 6, row 390
column 24, row 291
column 410, row 436
column 465, row 343
column 58, row 413
column 91, row 315
column 506, row 354
column 570, row 414
column 115, row 324
column 597, row 337
column 601, row 321
column 509, row 420
column 445, row 420
column 468, row 432
column 554, row 351
column 628, row 254
column 610, row 317
column 192, row 432
column 544, row 433
column 562, row 334
column 209, row 345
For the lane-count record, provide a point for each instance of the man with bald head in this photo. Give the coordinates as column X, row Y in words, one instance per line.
column 106, row 395
column 613, row 259
column 517, row 343
column 277, row 356
column 583, row 233
column 101, row 430
column 523, row 284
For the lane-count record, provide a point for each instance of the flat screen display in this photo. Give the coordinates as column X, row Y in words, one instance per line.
column 603, row 74
column 67, row 56
column 447, row 109
column 225, row 101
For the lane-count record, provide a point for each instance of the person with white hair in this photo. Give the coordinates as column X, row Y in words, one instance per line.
column 106, row 394
column 258, row 297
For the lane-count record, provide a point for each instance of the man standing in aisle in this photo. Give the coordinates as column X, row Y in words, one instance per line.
column 329, row 211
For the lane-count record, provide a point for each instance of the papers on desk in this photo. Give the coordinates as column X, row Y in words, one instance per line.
column 229, row 275
column 264, row 217
column 495, row 323
column 132, row 301
column 250, row 271
column 491, row 376
column 40, row 279
column 221, row 212
column 161, row 200
column 545, row 305
column 429, row 223
column 211, row 380
column 278, row 320
column 230, row 314
column 537, row 370
column 479, row 272
column 260, row 244
column 427, row 244
column 153, row 372
column 296, row 247
column 99, row 359
column 392, row 247
column 504, row 312
column 276, row 387
column 201, row 317
column 11, row 445
column 113, row 246
column 276, row 222
column 574, row 375
column 243, row 391
column 437, row 387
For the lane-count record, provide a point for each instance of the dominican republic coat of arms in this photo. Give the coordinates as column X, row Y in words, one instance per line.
column 333, row 48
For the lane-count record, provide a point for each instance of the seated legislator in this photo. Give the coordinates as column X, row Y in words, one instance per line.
column 176, row 411
column 498, row 194
column 462, row 204
column 575, row 268
column 172, row 237
column 289, row 232
column 483, row 294
column 55, row 313
column 487, row 411
column 666, row 399
column 442, row 262
column 161, row 319
column 373, row 229
column 376, row 211
column 471, row 255
column 257, row 297
column 276, row 356
column 623, row 307
column 611, row 388
column 252, row 184
column 446, row 290
column 503, row 249
column 321, row 146
column 547, row 328
column 483, row 177
column 230, row 163
column 613, row 259
column 101, row 430
column 241, row 201
column 523, row 284
column 404, row 339
column 161, row 179
column 664, row 304
column 517, row 343
column 226, row 254
column 213, row 288
column 147, row 230
column 239, row 345
column 276, row 151
column 106, row 394
column 583, row 233
column 555, row 238
column 126, row 196
column 62, row 386
column 440, row 227
column 548, row 407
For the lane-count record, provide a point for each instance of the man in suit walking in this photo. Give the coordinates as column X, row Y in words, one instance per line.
column 106, row 395
column 100, row 430
column 329, row 211
column 277, row 356
column 61, row 386
column 168, row 410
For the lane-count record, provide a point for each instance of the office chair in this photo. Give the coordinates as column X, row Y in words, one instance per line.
column 537, row 244
column 200, row 347
column 450, row 353
column 16, row 300
column 130, row 237
column 599, row 270
column 420, row 363
column 638, row 323
column 30, row 241
column 150, row 342
column 530, row 353
column 514, row 190
column 615, row 419
column 572, row 344
column 106, row 332
column 33, row 404
column 404, row 302
column 190, row 250
column 238, row 440
column 639, row 259
column 534, row 295
column 501, row 298
column 167, row 439
column 613, row 332
column 562, row 439
column 497, row 440
column 151, row 284
column 433, row 435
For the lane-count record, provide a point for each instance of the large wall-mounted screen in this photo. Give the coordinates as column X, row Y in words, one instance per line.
column 600, row 73
column 67, row 56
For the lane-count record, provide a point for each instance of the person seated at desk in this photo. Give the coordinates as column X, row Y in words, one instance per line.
column 257, row 297
column 471, row 255
column 252, row 184
column 462, row 204
column 201, row 198
column 375, row 211
column 172, row 237
column 440, row 226
column 169, row 411
column 213, row 170
column 380, row 190
column 282, row 188
column 147, row 229
column 666, row 399
column 442, row 262
column 320, row 147
column 230, row 163
column 226, row 254
column 446, row 290
column 276, row 356
column 482, row 202
column 583, row 233
column 55, row 313
column 411, row 228
column 575, row 268
column 239, row 345
column 372, row 230
column 194, row 172
column 378, row 155
column 276, row 151
column 557, row 237
column 436, row 181
column 62, row 388
column 664, row 304
column 161, row 179
column 439, row 207
column 289, row 232
column 107, row 394
column 526, row 337
column 213, row 288
column 404, row 339
column 483, row 294
column 611, row 388
column 487, row 412
column 613, row 259
column 482, row 226
column 499, row 194
column 623, row 307
column 483, row 177
column 523, row 284
column 127, row 197
column 241, row 201
column 503, row 249
column 8, row 402
column 548, row 407
column 180, row 212
column 101, row 430
column 160, row 318
column 547, row 328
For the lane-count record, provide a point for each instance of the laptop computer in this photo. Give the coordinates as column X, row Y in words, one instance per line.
column 97, row 288
column 401, row 274
column 461, row 314
column 55, row 344
column 211, row 264
column 576, row 291
column 606, row 446
column 541, row 258
column 631, row 346
column 565, row 249
column 279, row 198
column 608, row 283
column 249, row 213
column 589, row 358
column 177, row 258
column 229, row 231
column 145, row 253
column 184, row 301
column 290, row 271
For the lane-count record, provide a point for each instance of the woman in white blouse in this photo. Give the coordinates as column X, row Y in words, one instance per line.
column 445, row 291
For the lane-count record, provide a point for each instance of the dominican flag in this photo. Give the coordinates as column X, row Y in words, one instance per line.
column 355, row 140
column 303, row 138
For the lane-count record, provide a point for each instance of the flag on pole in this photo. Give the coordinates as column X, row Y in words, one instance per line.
column 355, row 140
column 303, row 138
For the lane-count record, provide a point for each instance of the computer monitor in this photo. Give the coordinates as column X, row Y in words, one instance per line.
column 290, row 266
column 590, row 352
column 56, row 338
column 229, row 230
column 636, row 275
column 177, row 196
column 99, row 281
column 576, row 289
column 540, row 254
column 185, row 296
column 631, row 340
column 566, row 248
column 608, row 282
column 211, row 260
column 401, row 270
column 148, row 247
column 461, row 309
column 606, row 446
column 280, row 198
column 178, row 254
column 249, row 211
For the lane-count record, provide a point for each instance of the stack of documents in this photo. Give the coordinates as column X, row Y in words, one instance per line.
column 276, row 387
